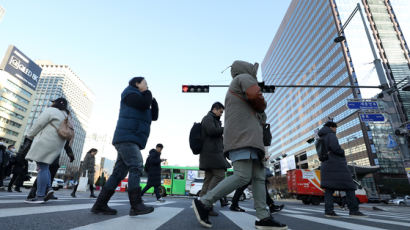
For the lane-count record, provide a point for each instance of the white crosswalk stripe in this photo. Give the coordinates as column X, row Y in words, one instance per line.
column 151, row 221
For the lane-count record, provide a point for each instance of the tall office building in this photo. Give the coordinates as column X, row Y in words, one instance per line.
column 303, row 52
column 61, row 81
column 18, row 81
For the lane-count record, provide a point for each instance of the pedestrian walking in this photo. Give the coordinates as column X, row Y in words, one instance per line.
column 46, row 146
column 211, row 156
column 4, row 162
column 19, row 170
column 137, row 109
column 243, row 144
column 53, row 171
column 335, row 174
column 88, row 166
column 153, row 168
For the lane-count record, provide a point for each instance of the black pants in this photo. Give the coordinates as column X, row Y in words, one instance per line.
column 91, row 189
column 350, row 199
column 2, row 174
column 53, row 171
column 148, row 186
column 17, row 180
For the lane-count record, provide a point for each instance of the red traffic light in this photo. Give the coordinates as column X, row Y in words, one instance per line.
column 195, row 88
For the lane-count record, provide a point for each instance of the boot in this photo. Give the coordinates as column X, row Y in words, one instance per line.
column 92, row 192
column 73, row 195
column 100, row 205
column 137, row 205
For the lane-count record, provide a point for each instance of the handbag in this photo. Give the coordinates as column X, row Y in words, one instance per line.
column 66, row 129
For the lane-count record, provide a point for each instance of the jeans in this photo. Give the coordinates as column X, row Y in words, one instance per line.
column 212, row 178
column 350, row 199
column 148, row 186
column 244, row 171
column 43, row 179
column 129, row 160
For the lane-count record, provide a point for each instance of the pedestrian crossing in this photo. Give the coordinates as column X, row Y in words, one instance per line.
column 177, row 213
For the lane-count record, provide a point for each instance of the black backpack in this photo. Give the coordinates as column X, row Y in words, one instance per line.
column 195, row 141
column 321, row 149
column 146, row 166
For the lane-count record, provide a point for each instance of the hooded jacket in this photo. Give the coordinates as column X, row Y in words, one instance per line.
column 334, row 172
column 211, row 155
column 242, row 103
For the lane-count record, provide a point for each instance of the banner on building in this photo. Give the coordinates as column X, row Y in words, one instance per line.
column 20, row 66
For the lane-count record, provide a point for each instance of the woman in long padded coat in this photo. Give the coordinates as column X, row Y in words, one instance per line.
column 47, row 146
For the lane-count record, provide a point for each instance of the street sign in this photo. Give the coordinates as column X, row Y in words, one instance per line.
column 362, row 105
column 408, row 126
column 369, row 117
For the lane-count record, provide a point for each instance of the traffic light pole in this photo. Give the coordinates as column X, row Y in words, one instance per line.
column 314, row 86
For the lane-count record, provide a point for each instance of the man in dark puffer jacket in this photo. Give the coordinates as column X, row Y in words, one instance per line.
column 137, row 109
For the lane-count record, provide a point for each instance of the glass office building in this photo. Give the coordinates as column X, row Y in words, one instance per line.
column 303, row 52
column 61, row 81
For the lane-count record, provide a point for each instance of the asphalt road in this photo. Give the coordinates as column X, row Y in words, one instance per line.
column 177, row 213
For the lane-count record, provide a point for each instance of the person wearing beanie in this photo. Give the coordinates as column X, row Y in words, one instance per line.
column 335, row 175
column 137, row 109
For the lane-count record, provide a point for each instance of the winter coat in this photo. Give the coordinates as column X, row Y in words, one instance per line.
column 242, row 103
column 154, row 167
column 47, row 144
column 133, row 124
column 334, row 172
column 211, row 155
column 89, row 163
column 3, row 156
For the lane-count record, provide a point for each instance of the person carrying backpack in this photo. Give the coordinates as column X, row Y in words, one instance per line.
column 153, row 168
column 335, row 174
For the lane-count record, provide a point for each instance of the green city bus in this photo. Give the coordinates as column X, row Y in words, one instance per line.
column 175, row 180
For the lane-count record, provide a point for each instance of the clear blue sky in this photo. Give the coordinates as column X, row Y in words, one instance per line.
column 170, row 43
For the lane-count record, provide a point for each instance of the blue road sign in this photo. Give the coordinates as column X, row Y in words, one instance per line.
column 408, row 126
column 366, row 117
column 362, row 105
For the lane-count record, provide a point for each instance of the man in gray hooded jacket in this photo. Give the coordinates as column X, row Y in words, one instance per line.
column 243, row 144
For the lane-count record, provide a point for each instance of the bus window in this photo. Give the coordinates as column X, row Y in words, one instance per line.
column 179, row 174
column 166, row 174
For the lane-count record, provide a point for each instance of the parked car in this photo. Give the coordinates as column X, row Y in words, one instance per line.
column 56, row 185
column 402, row 201
column 247, row 194
column 196, row 186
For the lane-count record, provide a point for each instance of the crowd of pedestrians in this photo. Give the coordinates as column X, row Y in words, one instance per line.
column 242, row 141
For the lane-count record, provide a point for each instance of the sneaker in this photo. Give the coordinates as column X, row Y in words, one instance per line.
column 160, row 200
column 92, row 196
column 35, row 200
column 357, row 214
column 213, row 213
column 331, row 214
column 236, row 209
column 73, row 195
column 201, row 213
column 53, row 197
column 49, row 195
column 270, row 223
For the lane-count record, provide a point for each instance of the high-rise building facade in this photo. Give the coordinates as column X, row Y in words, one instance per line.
column 2, row 12
column 61, row 81
column 18, row 81
column 303, row 52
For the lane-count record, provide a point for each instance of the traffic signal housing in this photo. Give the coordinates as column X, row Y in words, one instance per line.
column 266, row 88
column 195, row 88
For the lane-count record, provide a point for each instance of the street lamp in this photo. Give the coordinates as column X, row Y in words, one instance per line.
column 350, row 150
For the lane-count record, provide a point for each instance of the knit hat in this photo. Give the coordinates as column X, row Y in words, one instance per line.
column 331, row 124
column 61, row 103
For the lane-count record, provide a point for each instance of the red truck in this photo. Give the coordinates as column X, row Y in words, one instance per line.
column 305, row 185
